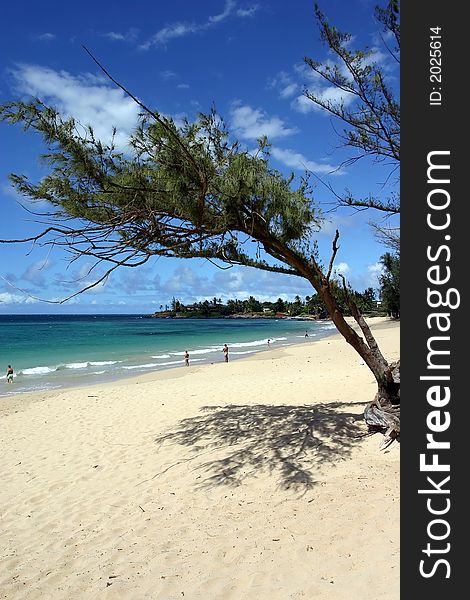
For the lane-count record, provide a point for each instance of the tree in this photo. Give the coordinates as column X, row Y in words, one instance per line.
column 296, row 307
column 253, row 305
column 372, row 122
column 280, row 306
column 390, row 284
column 187, row 192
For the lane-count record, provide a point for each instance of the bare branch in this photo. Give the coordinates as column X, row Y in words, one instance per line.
column 333, row 256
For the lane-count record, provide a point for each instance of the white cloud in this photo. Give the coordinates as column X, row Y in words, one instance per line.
column 87, row 98
column 366, row 278
column 374, row 271
column 281, row 79
column 46, row 37
column 317, row 86
column 267, row 287
column 130, row 35
column 7, row 298
column 331, row 224
column 296, row 160
column 302, row 75
column 327, row 95
column 170, row 32
column 229, row 6
column 168, row 75
column 288, row 84
column 182, row 29
column 112, row 35
column 80, row 278
column 188, row 285
column 250, row 123
column 36, row 273
column 185, row 280
column 303, row 105
column 289, row 90
column 248, row 12
column 137, row 281
column 342, row 268
column 284, row 83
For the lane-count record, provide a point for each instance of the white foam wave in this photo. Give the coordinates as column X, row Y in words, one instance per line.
column 256, row 342
column 205, row 350
column 247, row 344
column 161, row 356
column 244, row 352
column 80, row 365
column 163, row 364
column 327, row 326
column 199, row 351
column 102, row 363
column 37, row 371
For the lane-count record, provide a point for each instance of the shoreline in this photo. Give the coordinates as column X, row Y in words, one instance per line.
column 171, row 372
column 109, row 378
column 78, row 367
column 240, row 480
column 163, row 374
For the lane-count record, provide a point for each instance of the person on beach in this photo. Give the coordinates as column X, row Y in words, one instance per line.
column 9, row 374
column 186, row 358
column 306, row 334
column 269, row 342
column 225, row 351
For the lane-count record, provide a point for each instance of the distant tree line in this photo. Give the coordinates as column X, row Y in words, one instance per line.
column 386, row 302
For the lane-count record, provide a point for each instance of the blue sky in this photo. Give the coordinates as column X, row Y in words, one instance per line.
column 181, row 57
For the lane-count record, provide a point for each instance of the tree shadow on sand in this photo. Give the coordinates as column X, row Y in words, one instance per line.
column 289, row 442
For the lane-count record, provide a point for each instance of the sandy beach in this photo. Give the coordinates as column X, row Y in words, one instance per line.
column 251, row 479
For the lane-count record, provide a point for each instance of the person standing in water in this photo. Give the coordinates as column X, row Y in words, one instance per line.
column 225, row 351
column 10, row 374
column 186, row 358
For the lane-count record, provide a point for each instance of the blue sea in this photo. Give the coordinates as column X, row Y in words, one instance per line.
column 54, row 351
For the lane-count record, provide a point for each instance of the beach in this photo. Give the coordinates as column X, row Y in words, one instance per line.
column 252, row 479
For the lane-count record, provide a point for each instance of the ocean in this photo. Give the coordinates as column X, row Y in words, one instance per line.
column 54, row 351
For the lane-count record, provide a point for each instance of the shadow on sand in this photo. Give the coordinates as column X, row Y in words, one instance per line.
column 288, row 442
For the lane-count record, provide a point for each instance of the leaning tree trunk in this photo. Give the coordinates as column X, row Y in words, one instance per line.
column 383, row 413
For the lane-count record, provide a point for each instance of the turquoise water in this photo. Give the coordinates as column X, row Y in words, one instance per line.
column 51, row 351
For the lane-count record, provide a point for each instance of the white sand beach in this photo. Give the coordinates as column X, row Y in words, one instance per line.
column 246, row 480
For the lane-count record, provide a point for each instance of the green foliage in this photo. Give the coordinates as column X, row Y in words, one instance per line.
column 372, row 120
column 182, row 192
column 312, row 306
column 390, row 284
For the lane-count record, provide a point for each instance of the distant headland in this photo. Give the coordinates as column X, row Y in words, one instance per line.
column 311, row 308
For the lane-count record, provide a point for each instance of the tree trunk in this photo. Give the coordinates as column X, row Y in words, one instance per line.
column 383, row 413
